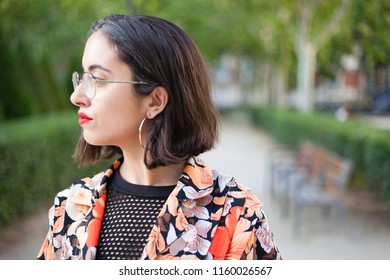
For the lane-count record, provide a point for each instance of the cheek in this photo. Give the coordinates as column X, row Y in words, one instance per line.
column 116, row 126
column 113, row 131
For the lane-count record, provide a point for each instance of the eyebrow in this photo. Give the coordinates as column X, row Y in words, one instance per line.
column 97, row 66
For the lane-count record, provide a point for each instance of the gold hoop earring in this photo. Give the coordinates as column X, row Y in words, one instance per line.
column 140, row 132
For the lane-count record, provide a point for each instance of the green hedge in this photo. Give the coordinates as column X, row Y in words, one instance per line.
column 36, row 162
column 368, row 147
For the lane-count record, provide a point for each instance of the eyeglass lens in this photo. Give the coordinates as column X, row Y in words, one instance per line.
column 87, row 81
column 89, row 85
column 75, row 80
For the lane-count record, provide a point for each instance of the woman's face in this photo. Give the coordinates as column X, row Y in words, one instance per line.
column 113, row 116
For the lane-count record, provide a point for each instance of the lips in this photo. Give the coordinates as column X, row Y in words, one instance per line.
column 83, row 118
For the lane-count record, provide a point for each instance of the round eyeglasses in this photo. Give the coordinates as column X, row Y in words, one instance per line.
column 89, row 83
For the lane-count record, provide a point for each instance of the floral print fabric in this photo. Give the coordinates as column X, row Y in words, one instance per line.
column 207, row 216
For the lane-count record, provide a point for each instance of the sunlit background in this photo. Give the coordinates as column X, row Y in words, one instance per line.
column 283, row 71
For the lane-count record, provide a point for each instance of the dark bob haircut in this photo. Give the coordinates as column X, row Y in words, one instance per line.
column 162, row 54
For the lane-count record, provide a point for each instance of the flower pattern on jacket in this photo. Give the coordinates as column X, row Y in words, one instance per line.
column 207, row 216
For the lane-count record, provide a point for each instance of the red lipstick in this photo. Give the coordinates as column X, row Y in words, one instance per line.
column 83, row 118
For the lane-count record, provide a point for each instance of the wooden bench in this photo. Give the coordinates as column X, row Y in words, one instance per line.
column 311, row 176
column 287, row 166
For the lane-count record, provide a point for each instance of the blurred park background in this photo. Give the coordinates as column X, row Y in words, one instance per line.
column 298, row 69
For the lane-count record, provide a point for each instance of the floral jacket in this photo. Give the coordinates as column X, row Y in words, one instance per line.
column 207, row 216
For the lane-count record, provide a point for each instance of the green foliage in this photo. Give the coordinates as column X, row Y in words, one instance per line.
column 42, row 40
column 367, row 25
column 41, row 44
column 371, row 24
column 225, row 26
column 13, row 100
column 36, row 162
column 366, row 146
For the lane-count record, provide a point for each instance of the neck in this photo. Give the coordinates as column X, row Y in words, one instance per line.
column 134, row 170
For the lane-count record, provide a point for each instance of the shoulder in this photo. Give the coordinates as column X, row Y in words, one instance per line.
column 94, row 184
column 243, row 215
column 240, row 193
column 85, row 186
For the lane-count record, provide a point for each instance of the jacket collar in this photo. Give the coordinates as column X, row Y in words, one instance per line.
column 196, row 180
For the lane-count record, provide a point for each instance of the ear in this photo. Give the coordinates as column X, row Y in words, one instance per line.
column 157, row 101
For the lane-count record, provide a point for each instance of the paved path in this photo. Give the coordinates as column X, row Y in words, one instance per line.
column 243, row 152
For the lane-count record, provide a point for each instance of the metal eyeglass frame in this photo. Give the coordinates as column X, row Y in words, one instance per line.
column 89, row 82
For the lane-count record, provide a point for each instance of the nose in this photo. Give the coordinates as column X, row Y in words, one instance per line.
column 79, row 98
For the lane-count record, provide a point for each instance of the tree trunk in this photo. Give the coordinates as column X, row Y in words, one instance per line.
column 306, row 54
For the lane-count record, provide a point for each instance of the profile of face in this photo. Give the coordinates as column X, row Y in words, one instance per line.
column 170, row 89
column 113, row 116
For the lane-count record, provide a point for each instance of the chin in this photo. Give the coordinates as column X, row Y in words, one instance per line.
column 95, row 141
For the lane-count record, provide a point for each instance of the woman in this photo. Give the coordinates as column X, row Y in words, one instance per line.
column 145, row 96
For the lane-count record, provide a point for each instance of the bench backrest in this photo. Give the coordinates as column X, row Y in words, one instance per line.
column 306, row 152
column 332, row 170
column 336, row 174
column 311, row 157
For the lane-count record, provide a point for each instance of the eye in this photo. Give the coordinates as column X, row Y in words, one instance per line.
column 96, row 78
column 98, row 81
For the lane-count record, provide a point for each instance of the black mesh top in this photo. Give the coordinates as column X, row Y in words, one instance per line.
column 129, row 215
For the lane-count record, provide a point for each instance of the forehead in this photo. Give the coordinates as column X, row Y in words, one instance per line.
column 99, row 51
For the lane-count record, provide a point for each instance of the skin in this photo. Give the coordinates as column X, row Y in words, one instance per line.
column 116, row 113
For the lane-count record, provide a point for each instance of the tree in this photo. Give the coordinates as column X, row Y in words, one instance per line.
column 44, row 41
column 370, row 28
column 263, row 27
column 245, row 29
column 13, row 101
column 281, row 38
column 310, row 25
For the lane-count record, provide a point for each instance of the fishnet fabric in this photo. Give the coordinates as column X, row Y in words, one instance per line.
column 128, row 220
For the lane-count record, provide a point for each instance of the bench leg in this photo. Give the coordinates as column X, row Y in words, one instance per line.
column 285, row 199
column 342, row 219
column 296, row 221
column 326, row 210
column 272, row 178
